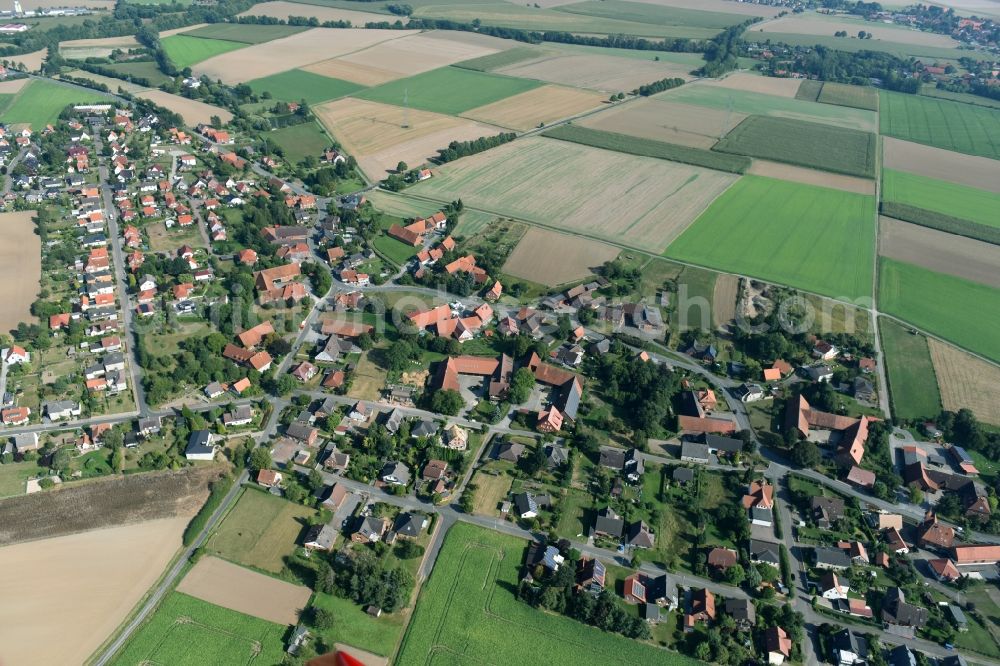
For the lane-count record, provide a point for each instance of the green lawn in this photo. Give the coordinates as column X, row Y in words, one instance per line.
column 913, row 386
column 698, row 289
column 640, row 12
column 144, row 69
column 185, row 631
column 741, row 101
column 40, row 102
column 296, row 84
column 467, row 613
column 964, row 312
column 397, row 252
column 450, row 90
column 813, row 238
column 940, row 122
column 260, row 531
column 803, row 143
column 357, row 628
column 299, row 141
column 968, row 203
column 14, row 475
column 185, row 51
column 245, row 32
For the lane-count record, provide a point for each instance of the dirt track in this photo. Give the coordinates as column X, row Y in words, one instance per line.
column 230, row 586
column 939, row 251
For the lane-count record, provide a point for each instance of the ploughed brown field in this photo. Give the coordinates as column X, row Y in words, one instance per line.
column 966, row 381
column 551, row 258
column 812, row 177
column 939, row 251
column 981, row 172
column 20, row 269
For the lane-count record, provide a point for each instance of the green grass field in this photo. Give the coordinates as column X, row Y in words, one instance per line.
column 506, row 58
column 809, row 90
column 260, row 530
column 752, row 103
column 299, row 141
column 940, row 122
column 467, row 613
column 185, row 631
column 5, row 101
column 623, row 143
column 359, row 629
column 913, row 387
column 146, row 69
column 450, row 90
column 296, row 84
column 639, row 12
column 397, row 252
column 857, row 97
column 40, row 102
column 966, row 313
column 245, row 32
column 696, row 283
column 185, row 51
column 967, row 203
column 802, row 143
column 813, row 238
column 898, row 49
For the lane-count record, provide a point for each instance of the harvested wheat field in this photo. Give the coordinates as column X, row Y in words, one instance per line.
column 817, row 25
column 111, row 501
column 939, row 251
column 13, row 86
column 527, row 110
column 534, row 257
column 569, row 186
column 671, row 122
column 724, row 299
column 96, row 48
column 981, row 172
column 291, row 52
column 282, row 10
column 192, row 111
column 31, row 62
column 966, row 381
column 373, row 132
column 597, row 72
column 177, row 31
column 112, row 83
column 363, row 75
column 20, row 268
column 231, row 586
column 766, row 85
column 417, row 54
column 812, row 177
column 65, row 595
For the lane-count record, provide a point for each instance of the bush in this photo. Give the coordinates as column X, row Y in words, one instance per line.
column 215, row 497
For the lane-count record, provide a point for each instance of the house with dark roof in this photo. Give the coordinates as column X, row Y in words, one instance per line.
column 742, row 611
column 765, row 552
column 832, row 558
column 638, row 535
column 590, row 575
column 897, row 612
column 827, row 511
column 409, row 525
column 609, row 524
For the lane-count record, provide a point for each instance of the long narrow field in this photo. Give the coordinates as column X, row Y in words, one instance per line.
column 642, row 12
column 978, row 172
column 185, row 631
column 658, row 119
column 816, row 24
column 814, row 238
column 537, row 107
column 280, row 9
column 964, row 312
column 578, row 258
column 471, row 593
column 450, row 90
column 606, row 73
column 941, row 123
column 639, row 201
column 185, row 51
column 246, row 33
column 40, row 102
column 802, row 143
column 913, row 386
column 296, row 84
column 765, row 85
column 939, row 251
column 752, row 103
column 20, row 268
column 967, row 203
column 966, row 381
column 83, row 585
column 798, row 174
column 191, row 110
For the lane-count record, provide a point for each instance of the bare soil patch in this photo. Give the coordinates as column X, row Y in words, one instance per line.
column 597, row 72
column 767, row 85
column 966, row 381
column 932, row 162
column 375, row 135
column 31, row 61
column 534, row 258
column 724, row 299
column 296, row 50
column 812, row 177
column 192, row 111
column 67, row 594
column 672, row 122
column 113, row 501
column 13, row 86
column 231, row 586
column 816, row 25
column 939, row 251
column 541, row 105
column 416, row 54
column 282, row 10
column 20, row 268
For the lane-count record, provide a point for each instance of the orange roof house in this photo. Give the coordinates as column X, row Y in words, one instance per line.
column 253, row 336
column 760, row 495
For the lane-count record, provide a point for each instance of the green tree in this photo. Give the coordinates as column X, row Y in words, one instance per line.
column 260, row 458
column 447, row 402
column 322, row 619
column 521, row 385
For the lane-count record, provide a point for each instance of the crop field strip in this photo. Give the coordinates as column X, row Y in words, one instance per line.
column 670, row 122
column 296, row 85
column 972, row 171
column 537, row 107
column 495, row 61
column 640, row 12
column 604, row 72
column 939, row 251
column 470, row 596
column 966, row 381
column 448, row 90
column 755, row 83
column 632, row 145
column 965, row 128
column 244, row 32
column 966, row 203
column 802, row 143
column 186, row 51
column 808, row 237
column 913, row 386
column 856, row 97
column 928, row 300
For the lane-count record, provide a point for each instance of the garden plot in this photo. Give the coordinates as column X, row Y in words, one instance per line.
column 657, row 119
column 570, row 186
column 536, row 107
column 532, row 259
column 230, row 586
column 597, row 72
